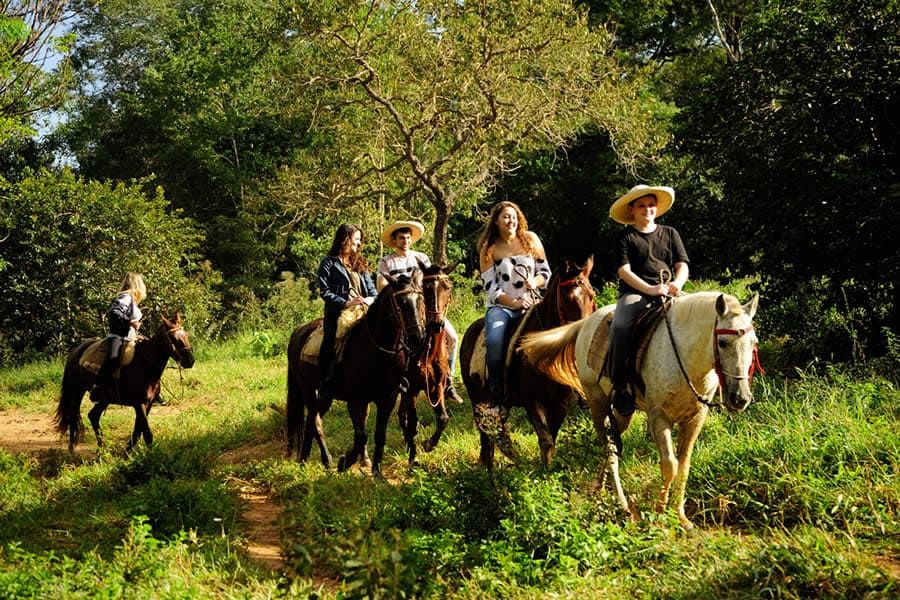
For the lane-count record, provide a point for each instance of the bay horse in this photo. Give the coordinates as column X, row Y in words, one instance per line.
column 430, row 372
column 569, row 297
column 377, row 352
column 137, row 386
column 705, row 343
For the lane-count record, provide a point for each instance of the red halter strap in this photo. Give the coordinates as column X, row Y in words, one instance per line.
column 754, row 364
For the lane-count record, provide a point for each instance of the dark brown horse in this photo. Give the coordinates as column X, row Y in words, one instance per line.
column 569, row 297
column 137, row 386
column 430, row 372
column 377, row 353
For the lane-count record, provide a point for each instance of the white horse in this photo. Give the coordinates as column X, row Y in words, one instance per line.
column 707, row 345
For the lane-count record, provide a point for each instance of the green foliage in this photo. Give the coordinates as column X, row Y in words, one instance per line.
column 67, row 245
column 800, row 134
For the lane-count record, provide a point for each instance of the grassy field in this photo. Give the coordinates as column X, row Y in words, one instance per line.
column 796, row 498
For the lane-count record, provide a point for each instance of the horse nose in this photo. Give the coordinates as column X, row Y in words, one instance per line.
column 738, row 402
column 187, row 360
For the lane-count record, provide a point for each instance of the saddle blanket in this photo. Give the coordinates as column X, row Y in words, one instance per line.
column 348, row 318
column 94, row 357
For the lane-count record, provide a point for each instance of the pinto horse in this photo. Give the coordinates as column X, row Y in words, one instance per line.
column 137, row 386
column 430, row 372
column 569, row 297
column 705, row 343
column 376, row 357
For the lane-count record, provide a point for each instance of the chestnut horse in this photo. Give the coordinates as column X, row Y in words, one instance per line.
column 137, row 386
column 377, row 353
column 706, row 342
column 430, row 372
column 569, row 297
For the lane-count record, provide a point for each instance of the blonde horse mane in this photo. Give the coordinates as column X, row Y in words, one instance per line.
column 552, row 352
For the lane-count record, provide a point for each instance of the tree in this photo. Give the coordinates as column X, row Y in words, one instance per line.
column 802, row 134
column 29, row 47
column 438, row 98
column 66, row 243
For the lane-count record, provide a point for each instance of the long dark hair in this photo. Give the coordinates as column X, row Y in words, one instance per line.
column 344, row 232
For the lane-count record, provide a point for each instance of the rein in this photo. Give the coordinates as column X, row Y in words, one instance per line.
column 175, row 354
column 400, row 340
column 721, row 373
column 667, row 301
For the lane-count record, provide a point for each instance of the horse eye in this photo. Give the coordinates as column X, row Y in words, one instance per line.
column 722, row 344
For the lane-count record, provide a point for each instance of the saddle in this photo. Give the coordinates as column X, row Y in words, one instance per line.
column 95, row 355
column 644, row 326
column 348, row 318
column 478, row 363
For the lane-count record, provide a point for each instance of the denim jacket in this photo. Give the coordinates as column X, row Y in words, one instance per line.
column 334, row 284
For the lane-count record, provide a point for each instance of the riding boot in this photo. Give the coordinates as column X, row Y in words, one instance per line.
column 623, row 400
column 101, row 383
column 451, row 393
column 326, row 386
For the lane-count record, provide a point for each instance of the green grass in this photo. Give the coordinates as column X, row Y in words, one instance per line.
column 796, row 498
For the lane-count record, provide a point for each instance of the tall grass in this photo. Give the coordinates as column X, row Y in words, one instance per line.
column 795, row 498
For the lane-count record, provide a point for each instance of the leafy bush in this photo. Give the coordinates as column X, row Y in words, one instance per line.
column 66, row 245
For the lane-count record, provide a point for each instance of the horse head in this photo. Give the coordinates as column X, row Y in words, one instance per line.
column 734, row 349
column 178, row 343
column 438, row 291
column 407, row 307
column 573, row 293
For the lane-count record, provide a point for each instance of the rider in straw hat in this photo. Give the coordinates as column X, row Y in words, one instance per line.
column 401, row 235
column 652, row 262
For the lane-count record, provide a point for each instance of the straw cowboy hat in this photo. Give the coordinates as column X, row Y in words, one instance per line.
column 387, row 235
column 621, row 212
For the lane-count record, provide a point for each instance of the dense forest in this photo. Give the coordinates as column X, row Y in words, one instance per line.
column 214, row 145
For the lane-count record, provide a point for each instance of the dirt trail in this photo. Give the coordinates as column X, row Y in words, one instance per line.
column 33, row 434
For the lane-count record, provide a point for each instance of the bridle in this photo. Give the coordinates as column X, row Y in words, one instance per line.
column 717, row 361
column 754, row 364
column 402, row 331
column 172, row 334
column 436, row 316
column 577, row 281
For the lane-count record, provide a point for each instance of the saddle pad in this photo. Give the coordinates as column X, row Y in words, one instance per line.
column 600, row 344
column 94, row 357
column 348, row 318
column 478, row 364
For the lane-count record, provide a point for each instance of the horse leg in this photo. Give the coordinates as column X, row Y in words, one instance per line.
column 441, row 419
column 538, row 416
column 409, row 424
column 359, row 411
column 94, row 416
column 486, row 458
column 661, row 430
column 687, row 436
column 148, row 435
column 383, row 415
column 324, row 454
column 610, row 438
column 140, row 422
column 310, row 430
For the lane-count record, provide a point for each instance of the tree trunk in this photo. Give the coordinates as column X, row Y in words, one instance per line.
column 442, row 211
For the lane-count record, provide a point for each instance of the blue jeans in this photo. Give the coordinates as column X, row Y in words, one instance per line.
column 499, row 324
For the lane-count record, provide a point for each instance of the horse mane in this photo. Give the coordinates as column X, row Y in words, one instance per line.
column 553, row 353
column 696, row 306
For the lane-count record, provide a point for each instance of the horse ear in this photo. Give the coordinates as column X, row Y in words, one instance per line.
column 389, row 278
column 751, row 306
column 422, row 266
column 567, row 264
column 450, row 269
column 720, row 305
column 588, row 265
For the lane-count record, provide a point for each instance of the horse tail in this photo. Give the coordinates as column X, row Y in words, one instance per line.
column 295, row 407
column 552, row 352
column 68, row 411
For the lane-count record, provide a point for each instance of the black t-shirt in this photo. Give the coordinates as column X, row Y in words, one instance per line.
column 650, row 253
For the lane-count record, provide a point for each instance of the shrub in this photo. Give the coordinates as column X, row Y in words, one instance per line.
column 66, row 245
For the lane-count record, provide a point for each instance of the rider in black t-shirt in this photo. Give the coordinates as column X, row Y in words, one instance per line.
column 651, row 262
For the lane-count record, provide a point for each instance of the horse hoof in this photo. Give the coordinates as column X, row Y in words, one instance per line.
column 428, row 446
column 342, row 464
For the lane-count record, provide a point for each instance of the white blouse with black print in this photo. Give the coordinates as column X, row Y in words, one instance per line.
column 508, row 275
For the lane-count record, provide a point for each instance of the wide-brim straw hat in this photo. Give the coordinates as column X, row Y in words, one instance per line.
column 621, row 212
column 387, row 235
